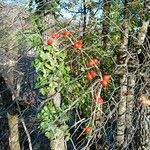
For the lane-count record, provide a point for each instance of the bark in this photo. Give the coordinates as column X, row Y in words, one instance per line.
column 129, row 109
column 144, row 119
column 13, row 121
column 144, row 123
column 142, row 32
column 123, row 58
column 144, row 100
column 121, row 120
column 84, row 17
column 12, row 113
column 99, row 119
column 106, row 24
column 91, row 15
column 58, row 143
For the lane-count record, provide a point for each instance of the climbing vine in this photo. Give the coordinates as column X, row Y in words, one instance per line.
column 63, row 66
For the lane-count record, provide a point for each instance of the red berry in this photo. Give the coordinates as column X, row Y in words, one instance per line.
column 87, row 130
column 89, row 76
column 104, row 83
column 93, row 74
column 80, row 41
column 106, row 77
column 55, row 35
column 78, row 45
column 66, row 33
column 49, row 42
column 96, row 61
column 93, row 62
column 100, row 100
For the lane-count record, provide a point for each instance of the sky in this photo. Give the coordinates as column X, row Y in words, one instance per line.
column 25, row 4
column 64, row 12
column 16, row 1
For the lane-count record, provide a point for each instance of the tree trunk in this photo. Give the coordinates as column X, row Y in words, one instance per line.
column 144, row 118
column 11, row 107
column 106, row 23
column 84, row 17
column 129, row 109
column 121, row 120
column 13, row 120
column 123, row 59
column 58, row 143
column 91, row 15
column 14, row 133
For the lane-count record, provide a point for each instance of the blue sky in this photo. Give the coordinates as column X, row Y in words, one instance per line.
column 25, row 3
column 65, row 12
column 19, row 2
column 16, row 1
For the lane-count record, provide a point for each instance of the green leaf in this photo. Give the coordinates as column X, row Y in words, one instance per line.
column 35, row 39
column 42, row 90
column 43, row 55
